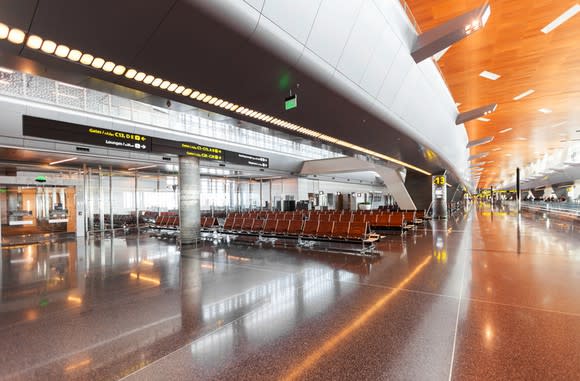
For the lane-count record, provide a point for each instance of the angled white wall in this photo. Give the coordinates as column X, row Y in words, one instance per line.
column 362, row 49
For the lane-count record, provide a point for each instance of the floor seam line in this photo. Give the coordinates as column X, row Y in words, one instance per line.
column 457, row 320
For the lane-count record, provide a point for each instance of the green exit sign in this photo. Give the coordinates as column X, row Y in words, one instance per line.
column 291, row 102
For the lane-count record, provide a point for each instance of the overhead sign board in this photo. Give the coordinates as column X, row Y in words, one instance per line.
column 165, row 146
column 78, row 133
column 245, row 159
column 291, row 102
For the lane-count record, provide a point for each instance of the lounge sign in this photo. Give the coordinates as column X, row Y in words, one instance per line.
column 71, row 132
column 165, row 146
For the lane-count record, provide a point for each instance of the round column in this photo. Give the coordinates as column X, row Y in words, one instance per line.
column 189, row 209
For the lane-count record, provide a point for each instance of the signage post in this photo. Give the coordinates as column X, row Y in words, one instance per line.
column 439, row 196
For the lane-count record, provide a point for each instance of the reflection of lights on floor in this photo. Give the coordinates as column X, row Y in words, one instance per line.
column 243, row 259
column 146, row 262
column 77, row 365
column 75, row 299
column 357, row 323
column 206, row 266
column 488, row 333
column 145, row 278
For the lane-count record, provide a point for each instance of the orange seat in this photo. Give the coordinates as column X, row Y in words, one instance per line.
column 382, row 220
column 346, row 217
column 237, row 225
column 258, row 225
column 295, row 227
column 247, row 224
column 270, row 226
column 359, row 217
column 340, row 230
column 310, row 228
column 282, row 227
column 397, row 220
column 358, row 230
column 229, row 223
column 325, row 229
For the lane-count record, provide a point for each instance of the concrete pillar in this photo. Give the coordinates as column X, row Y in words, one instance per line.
column 189, row 189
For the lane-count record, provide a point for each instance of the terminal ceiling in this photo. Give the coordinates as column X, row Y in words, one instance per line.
column 513, row 46
column 175, row 39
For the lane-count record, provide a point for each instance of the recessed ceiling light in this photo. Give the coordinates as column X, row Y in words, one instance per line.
column 570, row 12
column 508, row 154
column 4, row 30
column 48, row 46
column 74, row 55
column 149, row 79
column 545, row 110
column 34, row 42
column 200, row 96
column 506, row 130
column 108, row 66
column 172, row 87
column 86, row 59
column 206, row 99
column 164, row 85
column 179, row 89
column 195, row 94
column 16, row 36
column 521, row 138
column 97, row 62
column 62, row 51
column 457, row 104
column 187, row 92
column 483, row 119
column 524, row 94
column 119, row 69
column 489, row 75
column 156, row 82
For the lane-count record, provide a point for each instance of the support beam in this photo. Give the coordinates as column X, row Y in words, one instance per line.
column 475, row 113
column 443, row 36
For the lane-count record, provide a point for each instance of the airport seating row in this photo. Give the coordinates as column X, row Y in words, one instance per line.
column 171, row 222
column 310, row 229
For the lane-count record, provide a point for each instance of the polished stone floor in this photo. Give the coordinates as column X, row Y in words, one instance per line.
column 484, row 296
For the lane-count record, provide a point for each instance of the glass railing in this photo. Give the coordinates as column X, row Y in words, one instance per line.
column 570, row 208
column 48, row 91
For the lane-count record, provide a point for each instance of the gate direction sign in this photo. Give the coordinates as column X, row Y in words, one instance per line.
column 127, row 140
column 245, row 159
column 78, row 133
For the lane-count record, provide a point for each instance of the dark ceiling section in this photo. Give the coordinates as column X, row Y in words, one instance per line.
column 179, row 42
column 17, row 14
column 115, row 29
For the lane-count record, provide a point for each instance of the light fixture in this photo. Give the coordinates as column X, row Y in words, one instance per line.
column 482, row 119
column 119, row 70
column 108, row 66
column 206, row 99
column 62, row 51
column 234, row 108
column 16, row 36
column 48, row 46
column 567, row 15
column 164, row 85
column 34, row 42
column 195, row 94
column 187, row 92
column 156, row 82
column 86, row 59
column 4, row 30
column 148, row 79
column 545, row 110
column 179, row 89
column 212, row 100
column 6, row 71
column 496, row 149
column 140, row 76
column 199, row 97
column 98, row 63
column 524, row 94
column 75, row 55
column 62, row 161
column 506, row 130
column 172, row 87
column 489, row 75
column 218, row 102
column 145, row 167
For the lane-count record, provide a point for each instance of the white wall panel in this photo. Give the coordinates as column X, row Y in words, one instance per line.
column 361, row 42
column 270, row 34
column 256, row 4
column 332, row 27
column 397, row 19
column 384, row 55
column 395, row 78
column 295, row 17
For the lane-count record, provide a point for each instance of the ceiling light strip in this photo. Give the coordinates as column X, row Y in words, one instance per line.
column 17, row 36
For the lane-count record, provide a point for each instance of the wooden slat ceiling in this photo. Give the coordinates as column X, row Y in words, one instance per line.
column 513, row 46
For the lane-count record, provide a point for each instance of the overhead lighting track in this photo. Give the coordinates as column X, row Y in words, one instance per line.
column 62, row 161
column 524, row 94
column 18, row 37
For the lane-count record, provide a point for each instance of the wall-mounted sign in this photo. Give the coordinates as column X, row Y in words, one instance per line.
column 439, row 180
column 78, row 133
